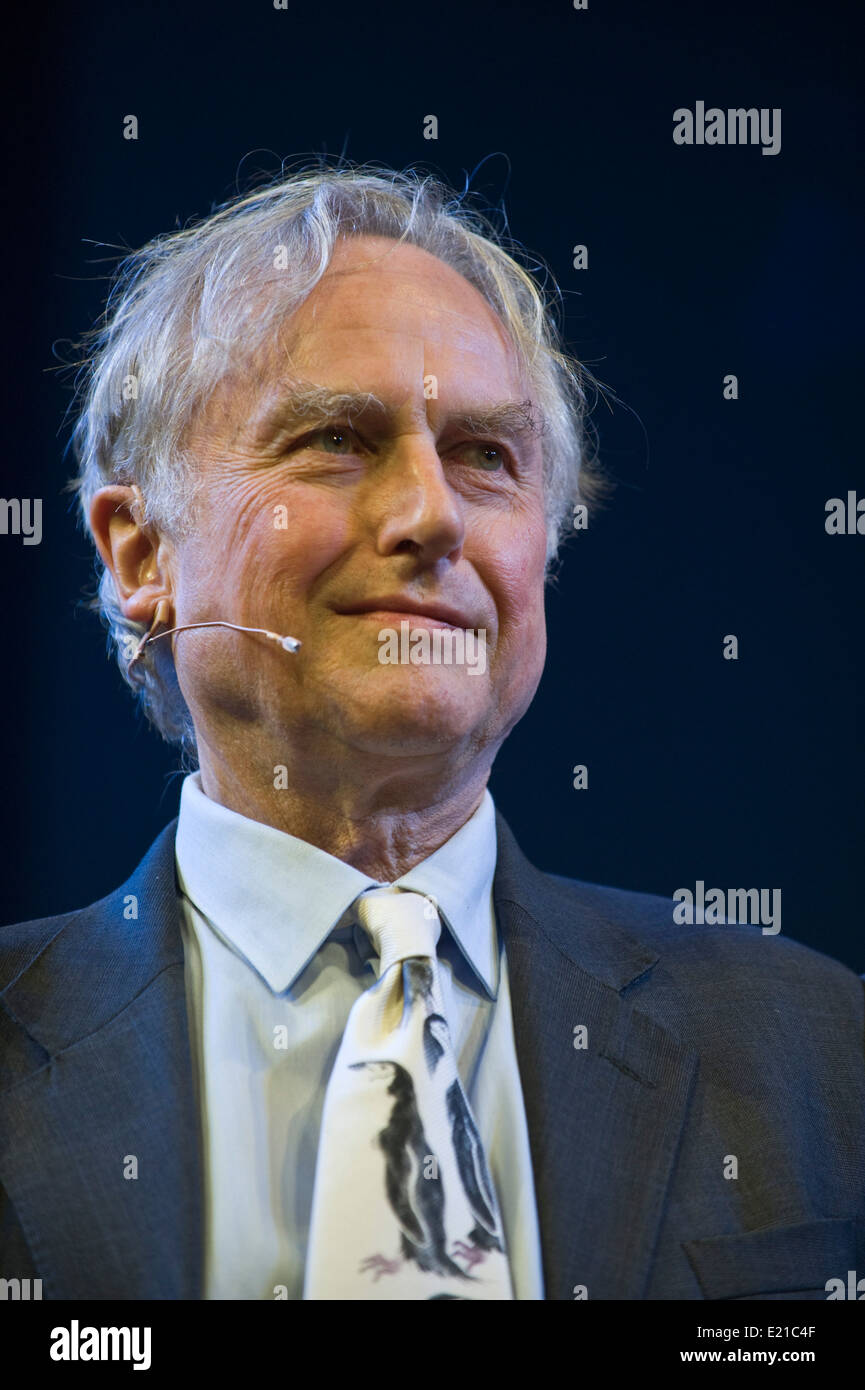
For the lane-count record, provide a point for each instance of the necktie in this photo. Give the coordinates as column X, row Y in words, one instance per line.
column 403, row 1203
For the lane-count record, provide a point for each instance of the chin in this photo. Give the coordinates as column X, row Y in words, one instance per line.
column 407, row 720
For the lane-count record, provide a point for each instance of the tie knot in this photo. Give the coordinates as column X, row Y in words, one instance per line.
column 401, row 925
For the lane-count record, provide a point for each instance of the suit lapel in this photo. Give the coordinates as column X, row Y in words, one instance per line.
column 605, row 1121
column 101, row 1155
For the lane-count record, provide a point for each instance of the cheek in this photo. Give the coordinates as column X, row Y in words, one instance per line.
column 298, row 536
column 252, row 535
column 519, row 591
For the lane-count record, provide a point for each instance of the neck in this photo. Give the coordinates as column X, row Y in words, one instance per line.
column 382, row 817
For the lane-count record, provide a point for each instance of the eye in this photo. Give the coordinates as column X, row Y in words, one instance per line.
column 333, row 439
column 489, row 456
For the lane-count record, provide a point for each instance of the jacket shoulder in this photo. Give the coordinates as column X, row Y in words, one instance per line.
column 726, row 952
column 80, row 931
column 21, row 943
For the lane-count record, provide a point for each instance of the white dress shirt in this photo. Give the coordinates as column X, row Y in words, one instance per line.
column 274, row 962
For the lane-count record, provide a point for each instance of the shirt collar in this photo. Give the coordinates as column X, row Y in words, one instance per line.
column 275, row 899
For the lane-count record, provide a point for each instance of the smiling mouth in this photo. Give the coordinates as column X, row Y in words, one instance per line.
column 391, row 610
column 392, row 617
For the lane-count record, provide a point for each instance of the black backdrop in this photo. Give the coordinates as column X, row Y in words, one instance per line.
column 702, row 262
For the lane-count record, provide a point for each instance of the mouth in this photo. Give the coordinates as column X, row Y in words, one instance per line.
column 390, row 610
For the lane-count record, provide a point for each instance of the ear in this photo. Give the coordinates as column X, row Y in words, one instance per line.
column 132, row 550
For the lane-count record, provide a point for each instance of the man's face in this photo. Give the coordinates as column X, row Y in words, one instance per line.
column 403, row 503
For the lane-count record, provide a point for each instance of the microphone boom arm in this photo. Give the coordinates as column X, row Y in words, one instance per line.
column 288, row 644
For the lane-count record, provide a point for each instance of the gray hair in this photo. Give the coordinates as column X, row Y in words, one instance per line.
column 184, row 304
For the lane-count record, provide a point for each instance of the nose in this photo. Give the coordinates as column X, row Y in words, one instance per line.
column 415, row 509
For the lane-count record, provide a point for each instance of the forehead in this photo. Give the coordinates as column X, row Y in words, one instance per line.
column 390, row 307
column 382, row 319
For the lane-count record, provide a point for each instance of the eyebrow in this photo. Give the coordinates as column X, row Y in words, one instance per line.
column 307, row 402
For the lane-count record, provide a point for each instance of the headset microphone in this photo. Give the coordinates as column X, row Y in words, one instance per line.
column 288, row 644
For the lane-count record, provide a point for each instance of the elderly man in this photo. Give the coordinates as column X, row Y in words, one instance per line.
column 336, row 1037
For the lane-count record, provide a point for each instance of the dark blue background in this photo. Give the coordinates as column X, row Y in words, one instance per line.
column 703, row 261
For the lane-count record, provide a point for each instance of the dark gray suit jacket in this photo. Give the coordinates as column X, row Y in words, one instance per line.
column 705, row 1044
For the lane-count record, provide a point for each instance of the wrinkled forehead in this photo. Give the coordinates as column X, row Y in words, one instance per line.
column 385, row 317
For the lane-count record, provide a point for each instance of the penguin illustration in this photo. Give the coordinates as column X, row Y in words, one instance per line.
column 435, row 1035
column 473, row 1171
column 416, row 1201
column 417, row 980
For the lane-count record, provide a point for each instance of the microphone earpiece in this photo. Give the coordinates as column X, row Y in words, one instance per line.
column 288, row 644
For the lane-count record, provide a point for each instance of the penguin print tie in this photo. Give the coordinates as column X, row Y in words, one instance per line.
column 403, row 1204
